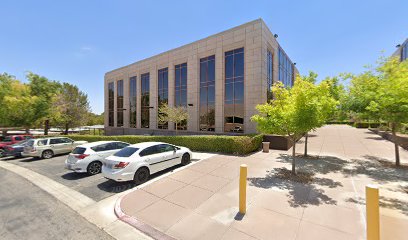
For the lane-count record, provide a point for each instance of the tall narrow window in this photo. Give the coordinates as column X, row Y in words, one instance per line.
column 145, row 114
column 269, row 75
column 234, row 91
column 119, row 104
column 132, row 101
column 111, row 103
column 163, row 93
column 285, row 69
column 207, row 94
column 181, row 90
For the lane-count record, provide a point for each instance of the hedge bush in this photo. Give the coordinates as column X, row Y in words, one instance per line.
column 366, row 125
column 239, row 145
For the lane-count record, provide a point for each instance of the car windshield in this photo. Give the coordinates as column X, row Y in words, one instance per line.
column 22, row 143
column 79, row 150
column 7, row 139
column 126, row 152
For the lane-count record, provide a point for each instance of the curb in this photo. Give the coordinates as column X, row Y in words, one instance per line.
column 134, row 222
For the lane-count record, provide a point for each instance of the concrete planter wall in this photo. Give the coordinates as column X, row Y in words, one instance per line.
column 278, row 142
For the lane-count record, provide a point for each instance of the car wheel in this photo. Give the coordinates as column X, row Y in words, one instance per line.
column 94, row 168
column 47, row 154
column 185, row 159
column 141, row 175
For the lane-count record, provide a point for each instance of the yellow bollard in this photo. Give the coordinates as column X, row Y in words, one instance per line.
column 243, row 170
column 373, row 212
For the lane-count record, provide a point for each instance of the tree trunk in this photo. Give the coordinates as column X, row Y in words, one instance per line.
column 27, row 130
column 66, row 129
column 394, row 135
column 294, row 157
column 306, row 138
column 46, row 126
column 176, row 128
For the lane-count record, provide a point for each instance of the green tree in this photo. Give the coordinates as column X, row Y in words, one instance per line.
column 45, row 90
column 95, row 119
column 18, row 106
column 71, row 107
column 390, row 101
column 6, row 82
column 295, row 111
column 172, row 114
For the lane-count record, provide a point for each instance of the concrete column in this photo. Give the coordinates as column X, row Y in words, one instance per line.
column 126, row 103
column 171, row 89
column 219, row 90
column 153, row 97
column 192, row 93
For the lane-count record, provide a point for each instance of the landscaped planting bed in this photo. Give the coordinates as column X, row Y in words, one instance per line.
column 239, row 145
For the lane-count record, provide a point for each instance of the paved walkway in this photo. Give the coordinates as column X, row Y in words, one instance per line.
column 200, row 201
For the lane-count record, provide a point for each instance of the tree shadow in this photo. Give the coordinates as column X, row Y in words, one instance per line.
column 386, row 202
column 372, row 167
column 299, row 194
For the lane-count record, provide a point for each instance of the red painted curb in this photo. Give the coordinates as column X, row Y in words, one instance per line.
column 141, row 226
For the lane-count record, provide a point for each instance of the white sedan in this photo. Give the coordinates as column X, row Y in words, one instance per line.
column 89, row 157
column 136, row 162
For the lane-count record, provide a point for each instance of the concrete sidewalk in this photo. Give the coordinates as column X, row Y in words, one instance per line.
column 200, row 201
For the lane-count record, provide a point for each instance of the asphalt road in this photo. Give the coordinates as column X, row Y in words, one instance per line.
column 95, row 187
column 27, row 212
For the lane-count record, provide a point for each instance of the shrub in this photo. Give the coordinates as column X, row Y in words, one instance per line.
column 239, row 145
column 366, row 125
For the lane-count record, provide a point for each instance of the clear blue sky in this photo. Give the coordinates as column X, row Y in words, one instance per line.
column 78, row 41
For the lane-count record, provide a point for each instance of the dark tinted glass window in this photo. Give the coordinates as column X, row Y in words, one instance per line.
column 149, row 151
column 100, row 148
column 163, row 93
column 132, row 101
column 126, row 152
column 180, row 93
column 120, row 145
column 56, row 141
column 165, row 148
column 79, row 150
column 111, row 103
column 145, row 114
column 66, row 140
column 207, row 93
column 234, row 91
column 286, row 75
column 269, row 75
column 119, row 103
column 18, row 138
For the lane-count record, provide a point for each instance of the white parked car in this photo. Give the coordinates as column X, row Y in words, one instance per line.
column 89, row 157
column 137, row 162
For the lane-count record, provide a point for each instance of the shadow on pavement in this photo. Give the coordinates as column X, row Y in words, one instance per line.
column 117, row 187
column 75, row 176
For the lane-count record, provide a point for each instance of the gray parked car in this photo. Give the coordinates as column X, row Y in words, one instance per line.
column 48, row 147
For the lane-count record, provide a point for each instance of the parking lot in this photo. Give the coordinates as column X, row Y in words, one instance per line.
column 96, row 187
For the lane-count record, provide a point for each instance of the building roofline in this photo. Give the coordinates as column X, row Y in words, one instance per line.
column 177, row 48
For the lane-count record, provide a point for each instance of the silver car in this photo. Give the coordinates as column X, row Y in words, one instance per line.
column 90, row 156
column 48, row 147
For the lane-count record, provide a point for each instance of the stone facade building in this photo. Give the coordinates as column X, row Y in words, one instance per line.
column 402, row 51
column 219, row 79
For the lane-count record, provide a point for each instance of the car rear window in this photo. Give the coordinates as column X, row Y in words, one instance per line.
column 126, row 152
column 79, row 150
column 30, row 143
column 42, row 142
column 7, row 139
